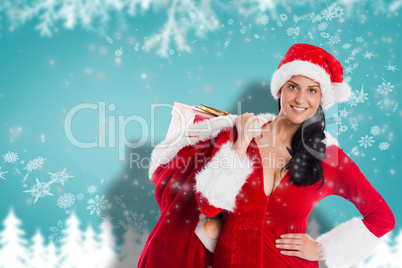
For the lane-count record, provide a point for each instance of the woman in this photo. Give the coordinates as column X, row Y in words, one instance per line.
column 242, row 175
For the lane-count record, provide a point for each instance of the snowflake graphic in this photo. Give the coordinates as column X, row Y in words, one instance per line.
column 355, row 151
column 349, row 69
column 338, row 12
column 375, row 130
column 283, row 17
column 95, row 205
column 343, row 113
column 395, row 107
column 343, row 128
column 384, row 88
column 334, row 40
column 109, row 40
column 316, row 18
column 39, row 190
column 119, row 200
column 325, row 35
column 359, row 39
column 362, row 95
column 80, row 196
column 35, row 164
column 264, row 19
column 2, row 173
column 391, row 68
column 10, row 157
column 354, row 124
column 118, row 52
column 57, row 232
column 91, row 189
column 346, row 46
column 59, row 177
column 134, row 221
column 358, row 97
column 383, row 146
column 293, row 31
column 230, row 22
column 65, row 200
column 355, row 51
column 297, row 31
column 137, row 46
column 310, row 35
column 185, row 21
column 290, row 31
column 329, row 13
column 337, row 119
column 366, row 141
column 368, row 55
column 322, row 26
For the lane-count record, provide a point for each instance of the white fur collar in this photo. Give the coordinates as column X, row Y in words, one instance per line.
column 206, row 129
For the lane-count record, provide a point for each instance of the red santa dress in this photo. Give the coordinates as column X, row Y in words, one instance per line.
column 207, row 165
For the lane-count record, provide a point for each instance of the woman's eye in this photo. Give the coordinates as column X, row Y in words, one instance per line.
column 312, row 90
column 292, row 86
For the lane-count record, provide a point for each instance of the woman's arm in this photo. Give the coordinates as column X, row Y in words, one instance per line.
column 354, row 240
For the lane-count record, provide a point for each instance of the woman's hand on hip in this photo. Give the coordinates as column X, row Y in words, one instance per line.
column 300, row 245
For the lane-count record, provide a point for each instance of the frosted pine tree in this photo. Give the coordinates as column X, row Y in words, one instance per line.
column 91, row 247
column 37, row 251
column 313, row 228
column 106, row 254
column 71, row 244
column 13, row 249
column 382, row 256
column 130, row 250
column 397, row 248
column 51, row 256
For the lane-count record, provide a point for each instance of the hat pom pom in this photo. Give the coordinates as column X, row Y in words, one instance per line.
column 341, row 91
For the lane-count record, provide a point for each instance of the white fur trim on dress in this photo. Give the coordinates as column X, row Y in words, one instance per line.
column 223, row 177
column 331, row 93
column 209, row 244
column 347, row 244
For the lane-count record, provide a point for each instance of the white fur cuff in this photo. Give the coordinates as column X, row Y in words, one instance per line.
column 210, row 244
column 347, row 244
column 222, row 178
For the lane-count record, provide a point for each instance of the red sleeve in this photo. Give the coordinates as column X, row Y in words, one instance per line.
column 206, row 208
column 350, row 183
column 177, row 177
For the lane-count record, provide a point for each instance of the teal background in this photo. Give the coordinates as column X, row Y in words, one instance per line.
column 42, row 78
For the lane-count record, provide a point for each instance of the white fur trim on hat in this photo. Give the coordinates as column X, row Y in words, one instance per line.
column 223, row 177
column 347, row 244
column 331, row 92
column 342, row 91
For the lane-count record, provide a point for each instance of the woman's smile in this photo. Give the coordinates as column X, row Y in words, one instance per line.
column 298, row 109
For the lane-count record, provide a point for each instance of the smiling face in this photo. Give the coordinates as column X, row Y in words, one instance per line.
column 300, row 98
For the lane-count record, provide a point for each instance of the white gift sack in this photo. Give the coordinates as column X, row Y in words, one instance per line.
column 182, row 116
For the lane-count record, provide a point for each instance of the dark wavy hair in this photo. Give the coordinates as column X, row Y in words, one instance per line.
column 307, row 150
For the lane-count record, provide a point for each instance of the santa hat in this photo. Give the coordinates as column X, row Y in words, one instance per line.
column 317, row 64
